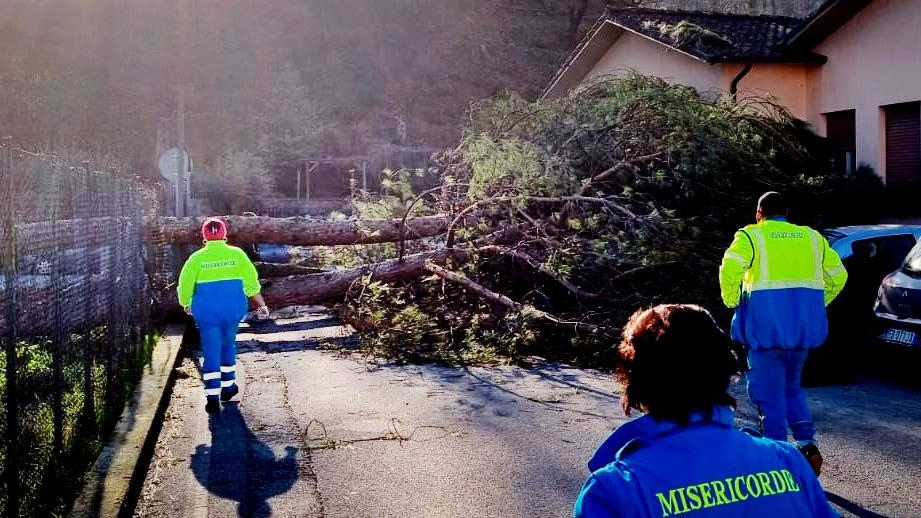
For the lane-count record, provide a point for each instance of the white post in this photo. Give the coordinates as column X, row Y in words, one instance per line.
column 180, row 166
column 364, row 175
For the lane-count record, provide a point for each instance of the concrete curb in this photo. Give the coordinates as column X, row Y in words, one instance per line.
column 120, row 469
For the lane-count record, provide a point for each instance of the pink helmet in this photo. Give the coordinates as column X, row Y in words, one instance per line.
column 214, row 229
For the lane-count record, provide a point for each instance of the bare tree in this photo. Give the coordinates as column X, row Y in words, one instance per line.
column 576, row 11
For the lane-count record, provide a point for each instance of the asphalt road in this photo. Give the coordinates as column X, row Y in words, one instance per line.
column 322, row 434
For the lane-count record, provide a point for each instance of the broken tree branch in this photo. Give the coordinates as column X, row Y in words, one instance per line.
column 623, row 164
column 525, row 258
column 486, row 293
column 417, row 199
column 589, row 199
column 630, row 164
column 462, row 215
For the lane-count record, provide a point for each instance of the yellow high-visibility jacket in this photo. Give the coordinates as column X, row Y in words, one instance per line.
column 779, row 277
column 216, row 281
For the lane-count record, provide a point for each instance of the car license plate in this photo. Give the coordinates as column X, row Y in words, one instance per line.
column 900, row 336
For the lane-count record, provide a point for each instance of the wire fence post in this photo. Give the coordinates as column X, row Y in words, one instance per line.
column 58, row 337
column 110, row 238
column 89, row 393
column 11, row 401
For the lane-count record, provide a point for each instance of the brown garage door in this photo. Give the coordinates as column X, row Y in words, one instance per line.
column 903, row 144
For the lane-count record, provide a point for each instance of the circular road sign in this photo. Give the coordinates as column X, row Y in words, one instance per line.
column 167, row 164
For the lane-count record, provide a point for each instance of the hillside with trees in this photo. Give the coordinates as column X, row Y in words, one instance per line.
column 281, row 78
column 344, row 75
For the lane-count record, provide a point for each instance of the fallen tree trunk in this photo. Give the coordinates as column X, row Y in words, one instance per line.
column 59, row 235
column 317, row 288
column 301, row 231
column 269, row 270
column 322, row 287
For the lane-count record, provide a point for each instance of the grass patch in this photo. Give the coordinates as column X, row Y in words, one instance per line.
column 49, row 481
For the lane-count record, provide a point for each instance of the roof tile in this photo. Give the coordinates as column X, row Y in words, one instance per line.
column 716, row 37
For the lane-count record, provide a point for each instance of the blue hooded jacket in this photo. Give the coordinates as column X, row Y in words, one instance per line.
column 708, row 469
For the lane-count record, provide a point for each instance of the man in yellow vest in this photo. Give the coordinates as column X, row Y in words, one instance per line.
column 214, row 285
column 780, row 277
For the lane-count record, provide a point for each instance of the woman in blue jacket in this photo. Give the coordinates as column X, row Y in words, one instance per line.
column 683, row 456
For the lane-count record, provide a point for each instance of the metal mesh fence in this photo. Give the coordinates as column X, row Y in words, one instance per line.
column 73, row 324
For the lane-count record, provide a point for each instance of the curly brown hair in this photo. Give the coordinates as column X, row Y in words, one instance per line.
column 675, row 361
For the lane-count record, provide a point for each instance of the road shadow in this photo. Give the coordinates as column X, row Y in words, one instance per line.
column 268, row 326
column 486, row 389
column 288, row 346
column 852, row 507
column 287, row 335
column 555, row 374
column 239, row 466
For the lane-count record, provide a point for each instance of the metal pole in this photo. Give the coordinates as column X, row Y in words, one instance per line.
column 364, row 175
column 188, row 187
column 180, row 166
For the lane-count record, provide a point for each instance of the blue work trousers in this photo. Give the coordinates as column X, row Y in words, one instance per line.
column 219, row 348
column 774, row 386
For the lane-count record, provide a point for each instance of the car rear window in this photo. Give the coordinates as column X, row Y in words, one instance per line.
column 912, row 264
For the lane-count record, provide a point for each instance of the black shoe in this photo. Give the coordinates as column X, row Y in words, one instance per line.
column 212, row 406
column 228, row 394
column 811, row 452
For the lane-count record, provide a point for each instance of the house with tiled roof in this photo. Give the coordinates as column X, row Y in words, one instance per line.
column 852, row 69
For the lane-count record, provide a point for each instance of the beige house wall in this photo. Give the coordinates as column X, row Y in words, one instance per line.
column 631, row 51
column 873, row 60
column 786, row 83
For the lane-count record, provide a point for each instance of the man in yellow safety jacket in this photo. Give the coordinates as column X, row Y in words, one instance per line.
column 214, row 285
column 780, row 277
